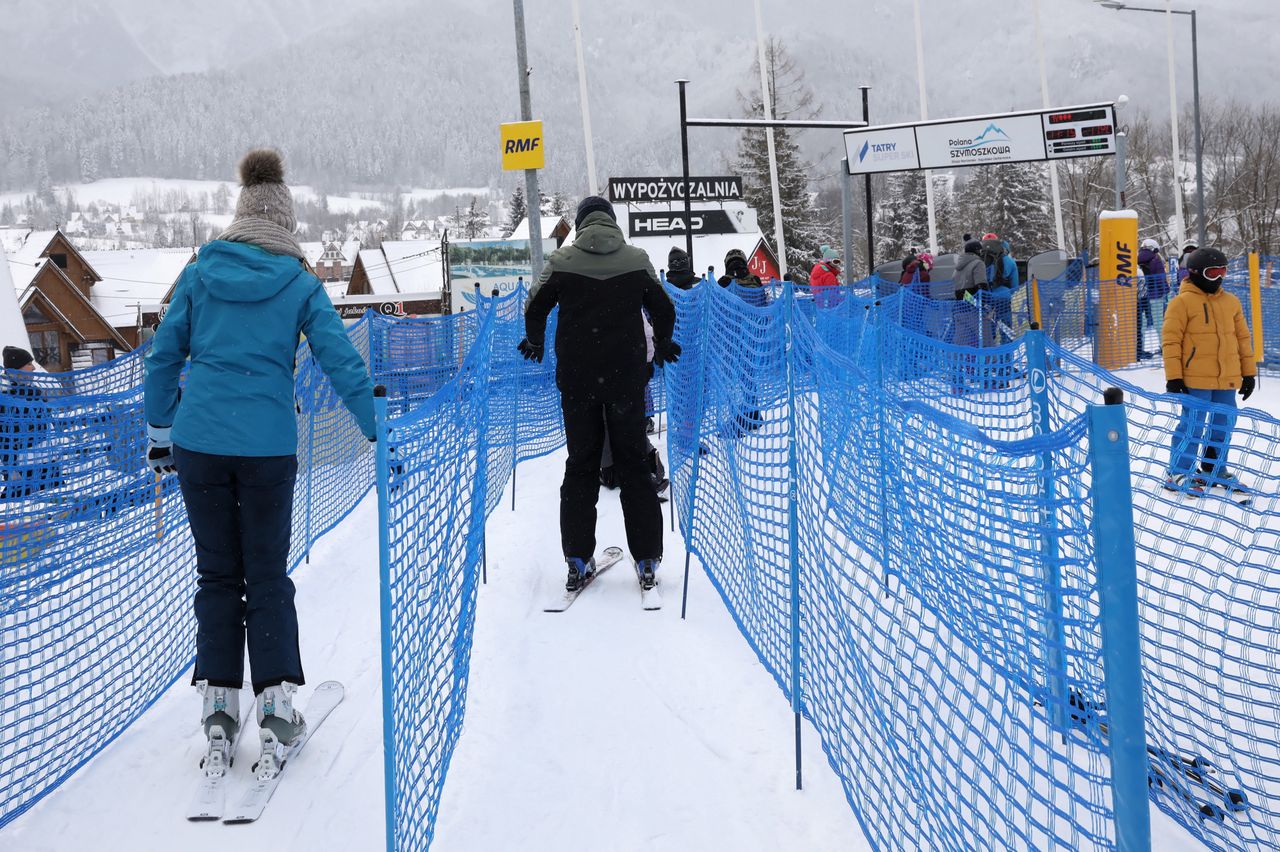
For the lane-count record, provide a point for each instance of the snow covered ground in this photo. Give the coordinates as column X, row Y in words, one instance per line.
column 605, row 727
column 121, row 192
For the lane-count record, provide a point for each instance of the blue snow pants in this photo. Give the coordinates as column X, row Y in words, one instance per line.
column 241, row 514
column 1191, row 433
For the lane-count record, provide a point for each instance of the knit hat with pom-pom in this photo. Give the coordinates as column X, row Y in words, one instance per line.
column 263, row 194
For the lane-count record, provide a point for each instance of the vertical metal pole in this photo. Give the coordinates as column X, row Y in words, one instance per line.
column 924, row 116
column 846, row 215
column 1180, row 226
column 1055, row 190
column 311, row 446
column 1118, row 605
column 684, row 160
column 793, row 523
column 1122, row 150
column 1038, row 375
column 705, row 294
column 767, row 95
column 534, row 205
column 1203, row 230
column 384, row 599
column 593, row 186
column 871, row 238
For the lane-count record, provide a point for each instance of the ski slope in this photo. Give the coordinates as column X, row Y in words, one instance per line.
column 605, row 727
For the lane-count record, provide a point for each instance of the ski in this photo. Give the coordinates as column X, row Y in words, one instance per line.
column 210, row 798
column 326, row 697
column 609, row 557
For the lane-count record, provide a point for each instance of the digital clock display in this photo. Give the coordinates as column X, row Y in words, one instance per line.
column 1073, row 117
column 1096, row 130
column 1062, row 133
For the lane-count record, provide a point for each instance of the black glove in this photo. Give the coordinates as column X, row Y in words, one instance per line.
column 530, row 351
column 1247, row 385
column 665, row 352
column 1175, row 386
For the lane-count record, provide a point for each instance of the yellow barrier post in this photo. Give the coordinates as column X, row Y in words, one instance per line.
column 159, row 513
column 1117, row 340
column 1035, row 302
column 1255, row 305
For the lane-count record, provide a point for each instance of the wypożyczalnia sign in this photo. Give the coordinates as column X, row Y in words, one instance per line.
column 633, row 190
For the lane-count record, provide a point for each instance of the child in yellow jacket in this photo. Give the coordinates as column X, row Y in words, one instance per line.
column 1208, row 354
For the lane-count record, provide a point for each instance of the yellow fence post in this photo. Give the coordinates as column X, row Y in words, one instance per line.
column 1255, row 305
column 1117, row 333
column 1035, row 301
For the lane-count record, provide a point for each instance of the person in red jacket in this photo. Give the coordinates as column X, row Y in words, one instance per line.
column 824, row 279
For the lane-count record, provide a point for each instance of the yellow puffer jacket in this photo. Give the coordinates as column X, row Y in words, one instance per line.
column 1205, row 340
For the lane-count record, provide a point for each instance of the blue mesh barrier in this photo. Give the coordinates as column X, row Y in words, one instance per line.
column 96, row 559
column 1208, row 606
column 942, row 698
column 433, row 500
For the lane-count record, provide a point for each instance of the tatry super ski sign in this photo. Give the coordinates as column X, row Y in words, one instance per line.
column 1015, row 137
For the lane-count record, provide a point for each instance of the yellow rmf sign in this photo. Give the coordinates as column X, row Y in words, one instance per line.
column 522, row 146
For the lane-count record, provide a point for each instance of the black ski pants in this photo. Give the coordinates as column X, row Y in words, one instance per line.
column 241, row 514
column 584, row 426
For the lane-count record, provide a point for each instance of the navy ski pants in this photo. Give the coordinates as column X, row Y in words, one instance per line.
column 584, row 427
column 241, row 514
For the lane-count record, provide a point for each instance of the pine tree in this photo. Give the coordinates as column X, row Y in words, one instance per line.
column 516, row 213
column 560, row 204
column 902, row 217
column 1009, row 200
column 803, row 228
column 475, row 221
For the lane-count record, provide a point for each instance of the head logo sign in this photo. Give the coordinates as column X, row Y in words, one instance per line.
column 522, row 146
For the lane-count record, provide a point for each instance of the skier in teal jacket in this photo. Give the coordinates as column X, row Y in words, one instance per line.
column 236, row 316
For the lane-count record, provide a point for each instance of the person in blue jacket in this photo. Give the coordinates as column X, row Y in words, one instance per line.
column 1003, row 283
column 231, row 435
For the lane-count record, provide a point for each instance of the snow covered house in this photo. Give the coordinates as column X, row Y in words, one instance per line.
column 401, row 278
column 555, row 228
column 54, row 285
column 135, row 286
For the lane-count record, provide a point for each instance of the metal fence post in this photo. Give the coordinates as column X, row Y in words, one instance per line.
column 1038, row 380
column 384, row 589
column 705, row 292
column 1118, row 604
column 311, row 446
column 1255, row 305
column 793, row 494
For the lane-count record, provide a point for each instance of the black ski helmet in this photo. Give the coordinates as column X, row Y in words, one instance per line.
column 1200, row 260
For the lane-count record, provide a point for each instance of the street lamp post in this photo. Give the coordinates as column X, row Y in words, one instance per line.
column 1202, row 230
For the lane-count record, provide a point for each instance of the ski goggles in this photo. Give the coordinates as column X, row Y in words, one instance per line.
column 1214, row 273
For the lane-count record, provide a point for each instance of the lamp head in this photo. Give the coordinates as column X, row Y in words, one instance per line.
column 1111, row 4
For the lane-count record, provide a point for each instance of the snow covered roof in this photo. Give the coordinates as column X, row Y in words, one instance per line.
column 134, row 276
column 312, row 250
column 23, row 273
column 549, row 225
column 29, row 248
column 12, row 237
column 381, row 281
column 415, row 267
column 13, row 332
column 350, row 249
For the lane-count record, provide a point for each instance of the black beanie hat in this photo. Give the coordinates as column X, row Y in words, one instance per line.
column 593, row 204
column 678, row 260
column 973, row 247
column 15, row 358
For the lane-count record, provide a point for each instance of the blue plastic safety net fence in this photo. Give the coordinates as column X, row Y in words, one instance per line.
column 96, row 559
column 435, row 500
column 1208, row 552
column 941, row 647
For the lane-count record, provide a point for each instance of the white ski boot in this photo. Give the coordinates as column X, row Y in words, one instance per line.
column 220, row 717
column 280, row 726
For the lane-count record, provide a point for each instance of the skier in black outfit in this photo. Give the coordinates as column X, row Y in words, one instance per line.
column 601, row 284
